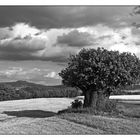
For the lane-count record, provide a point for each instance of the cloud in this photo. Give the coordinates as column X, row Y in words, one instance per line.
column 33, row 71
column 22, row 45
column 76, row 39
column 52, row 75
column 125, row 39
column 11, row 72
column 57, row 44
column 25, row 42
column 50, row 34
column 66, row 16
column 53, row 33
column 33, row 74
column 21, row 41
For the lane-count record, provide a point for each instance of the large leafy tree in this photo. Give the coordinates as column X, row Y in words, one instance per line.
column 98, row 72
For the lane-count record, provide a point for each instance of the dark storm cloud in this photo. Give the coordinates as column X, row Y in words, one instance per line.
column 136, row 10
column 76, row 39
column 62, row 16
column 16, row 56
column 29, row 56
column 22, row 55
column 20, row 48
column 137, row 43
column 25, row 42
column 22, row 36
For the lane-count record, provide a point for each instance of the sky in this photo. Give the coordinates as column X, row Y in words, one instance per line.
column 36, row 41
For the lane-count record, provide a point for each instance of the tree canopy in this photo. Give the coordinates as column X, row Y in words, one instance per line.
column 101, row 69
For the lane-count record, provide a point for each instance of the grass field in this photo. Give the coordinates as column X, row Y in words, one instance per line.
column 39, row 116
column 106, row 125
column 127, row 122
column 45, row 104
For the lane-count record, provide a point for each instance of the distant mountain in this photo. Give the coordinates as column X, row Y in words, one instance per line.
column 23, row 84
column 27, row 90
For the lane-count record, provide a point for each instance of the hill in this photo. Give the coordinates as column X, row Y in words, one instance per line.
column 23, row 84
column 26, row 90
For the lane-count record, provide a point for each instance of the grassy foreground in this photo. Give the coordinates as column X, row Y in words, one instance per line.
column 39, row 116
column 128, row 123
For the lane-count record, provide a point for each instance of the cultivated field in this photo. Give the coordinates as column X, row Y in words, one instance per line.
column 39, row 116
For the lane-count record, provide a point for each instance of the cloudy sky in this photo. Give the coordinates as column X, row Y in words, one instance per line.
column 35, row 41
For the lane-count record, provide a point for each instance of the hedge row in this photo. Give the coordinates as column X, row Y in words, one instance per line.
column 9, row 93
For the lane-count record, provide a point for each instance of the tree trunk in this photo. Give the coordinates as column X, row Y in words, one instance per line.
column 101, row 100
column 95, row 99
column 90, row 98
column 87, row 98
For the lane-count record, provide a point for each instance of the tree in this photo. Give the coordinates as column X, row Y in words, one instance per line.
column 98, row 72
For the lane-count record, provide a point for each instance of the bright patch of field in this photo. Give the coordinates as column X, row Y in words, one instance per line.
column 46, row 104
column 134, row 99
column 38, row 116
column 125, row 97
column 131, row 99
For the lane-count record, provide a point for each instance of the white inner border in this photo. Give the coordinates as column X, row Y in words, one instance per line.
column 70, row 2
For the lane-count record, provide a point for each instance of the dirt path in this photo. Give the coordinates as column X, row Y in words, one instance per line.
column 38, row 116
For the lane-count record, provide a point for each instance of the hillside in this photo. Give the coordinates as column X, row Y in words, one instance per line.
column 22, row 84
column 26, row 90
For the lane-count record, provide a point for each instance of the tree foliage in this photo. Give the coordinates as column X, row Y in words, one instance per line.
column 101, row 70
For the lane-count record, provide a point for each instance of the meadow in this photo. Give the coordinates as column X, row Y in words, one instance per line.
column 40, row 116
column 27, row 108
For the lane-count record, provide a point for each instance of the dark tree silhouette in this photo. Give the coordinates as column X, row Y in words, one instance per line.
column 98, row 72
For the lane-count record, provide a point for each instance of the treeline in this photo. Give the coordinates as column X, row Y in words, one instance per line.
column 28, row 91
column 8, row 92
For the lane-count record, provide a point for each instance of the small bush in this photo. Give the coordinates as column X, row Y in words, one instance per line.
column 110, row 109
column 76, row 104
column 110, row 106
